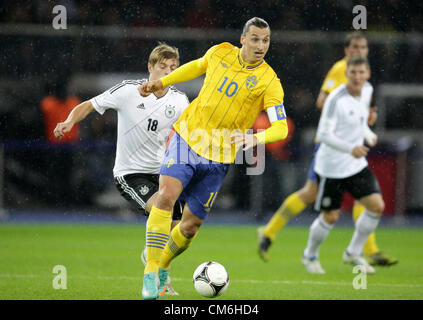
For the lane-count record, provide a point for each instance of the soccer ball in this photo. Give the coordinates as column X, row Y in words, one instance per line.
column 210, row 279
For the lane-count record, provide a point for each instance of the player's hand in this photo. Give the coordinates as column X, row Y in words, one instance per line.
column 372, row 116
column 246, row 140
column 371, row 139
column 149, row 87
column 360, row 151
column 62, row 128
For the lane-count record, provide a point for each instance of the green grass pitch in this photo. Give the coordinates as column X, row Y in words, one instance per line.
column 103, row 262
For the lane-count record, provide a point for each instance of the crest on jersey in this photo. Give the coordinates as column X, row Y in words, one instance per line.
column 144, row 190
column 170, row 162
column 326, row 201
column 251, row 82
column 170, row 111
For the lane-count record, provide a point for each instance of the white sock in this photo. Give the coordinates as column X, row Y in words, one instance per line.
column 364, row 226
column 319, row 231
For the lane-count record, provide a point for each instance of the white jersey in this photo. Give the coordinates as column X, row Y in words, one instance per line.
column 144, row 124
column 343, row 126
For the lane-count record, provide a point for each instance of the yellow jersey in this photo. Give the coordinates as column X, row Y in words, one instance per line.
column 232, row 96
column 335, row 77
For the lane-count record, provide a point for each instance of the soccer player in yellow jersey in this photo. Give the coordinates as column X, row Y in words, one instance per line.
column 238, row 85
column 355, row 44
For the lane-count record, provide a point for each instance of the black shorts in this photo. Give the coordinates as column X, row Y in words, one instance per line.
column 137, row 188
column 331, row 191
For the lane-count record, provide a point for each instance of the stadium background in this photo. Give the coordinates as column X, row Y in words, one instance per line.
column 109, row 41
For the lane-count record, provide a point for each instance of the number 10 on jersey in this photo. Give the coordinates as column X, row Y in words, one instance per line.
column 230, row 89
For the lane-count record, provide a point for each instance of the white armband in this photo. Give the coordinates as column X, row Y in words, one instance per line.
column 276, row 113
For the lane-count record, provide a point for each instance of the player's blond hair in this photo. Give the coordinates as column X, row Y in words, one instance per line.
column 354, row 61
column 163, row 51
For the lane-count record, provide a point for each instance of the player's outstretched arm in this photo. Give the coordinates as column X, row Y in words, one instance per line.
column 186, row 72
column 77, row 114
column 149, row 87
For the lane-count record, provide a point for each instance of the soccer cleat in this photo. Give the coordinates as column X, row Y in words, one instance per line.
column 169, row 289
column 313, row 265
column 358, row 261
column 263, row 244
column 149, row 286
column 381, row 259
column 163, row 278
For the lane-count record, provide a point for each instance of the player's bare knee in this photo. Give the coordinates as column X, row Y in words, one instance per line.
column 331, row 217
column 166, row 198
column 189, row 228
column 307, row 194
column 378, row 206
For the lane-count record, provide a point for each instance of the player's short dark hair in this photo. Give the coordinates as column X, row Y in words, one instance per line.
column 163, row 51
column 358, row 60
column 257, row 22
column 352, row 36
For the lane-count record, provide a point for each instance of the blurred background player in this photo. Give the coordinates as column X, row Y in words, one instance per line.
column 238, row 85
column 55, row 108
column 144, row 124
column 355, row 45
column 342, row 167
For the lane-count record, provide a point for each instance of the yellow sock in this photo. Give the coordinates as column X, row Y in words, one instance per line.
column 292, row 206
column 157, row 236
column 177, row 244
column 370, row 247
column 358, row 210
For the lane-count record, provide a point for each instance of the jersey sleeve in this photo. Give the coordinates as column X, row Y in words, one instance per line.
column 273, row 104
column 334, row 78
column 274, row 94
column 205, row 60
column 110, row 98
column 190, row 70
column 273, row 101
column 327, row 125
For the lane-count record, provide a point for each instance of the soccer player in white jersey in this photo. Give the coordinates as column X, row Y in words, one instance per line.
column 144, row 124
column 342, row 167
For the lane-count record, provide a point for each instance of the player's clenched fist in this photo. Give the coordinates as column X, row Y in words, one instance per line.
column 360, row 151
column 62, row 128
column 149, row 87
column 246, row 140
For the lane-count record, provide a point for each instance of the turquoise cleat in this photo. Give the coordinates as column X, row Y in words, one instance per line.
column 149, row 286
column 163, row 274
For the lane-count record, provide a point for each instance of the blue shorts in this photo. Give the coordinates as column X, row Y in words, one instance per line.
column 312, row 175
column 200, row 177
